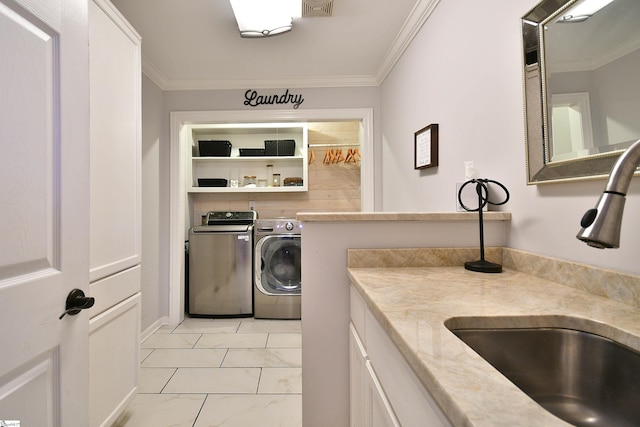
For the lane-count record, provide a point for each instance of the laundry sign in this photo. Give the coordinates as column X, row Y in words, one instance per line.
column 253, row 99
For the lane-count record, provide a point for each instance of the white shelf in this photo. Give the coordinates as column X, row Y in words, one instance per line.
column 283, row 189
column 248, row 159
column 247, row 135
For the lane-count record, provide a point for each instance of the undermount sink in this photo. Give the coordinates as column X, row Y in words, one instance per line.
column 582, row 378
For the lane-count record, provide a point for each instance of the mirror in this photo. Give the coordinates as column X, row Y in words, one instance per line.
column 582, row 86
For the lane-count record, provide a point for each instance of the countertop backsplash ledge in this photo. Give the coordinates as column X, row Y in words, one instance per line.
column 621, row 287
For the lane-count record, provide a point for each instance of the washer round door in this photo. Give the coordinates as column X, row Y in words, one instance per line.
column 278, row 264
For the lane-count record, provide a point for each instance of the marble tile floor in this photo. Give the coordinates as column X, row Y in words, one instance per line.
column 220, row 372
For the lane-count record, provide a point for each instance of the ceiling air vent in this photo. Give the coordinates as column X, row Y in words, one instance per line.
column 317, row 8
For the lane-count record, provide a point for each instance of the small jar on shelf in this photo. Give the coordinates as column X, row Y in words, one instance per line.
column 234, row 179
column 269, row 176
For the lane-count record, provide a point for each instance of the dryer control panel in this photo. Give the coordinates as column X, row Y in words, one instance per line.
column 278, row 226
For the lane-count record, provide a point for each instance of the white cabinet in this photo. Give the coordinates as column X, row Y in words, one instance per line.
column 369, row 404
column 381, row 413
column 385, row 392
column 246, row 136
column 115, row 215
column 114, row 352
column 359, row 390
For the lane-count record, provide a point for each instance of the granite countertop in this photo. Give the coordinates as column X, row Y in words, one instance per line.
column 400, row 216
column 413, row 303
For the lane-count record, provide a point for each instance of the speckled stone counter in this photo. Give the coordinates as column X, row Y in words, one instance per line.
column 415, row 303
column 400, row 216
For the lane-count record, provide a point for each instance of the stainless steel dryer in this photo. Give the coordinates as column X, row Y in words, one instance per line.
column 277, row 284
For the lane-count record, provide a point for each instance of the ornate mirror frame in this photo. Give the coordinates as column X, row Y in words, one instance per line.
column 540, row 169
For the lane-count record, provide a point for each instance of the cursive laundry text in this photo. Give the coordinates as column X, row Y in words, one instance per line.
column 253, row 99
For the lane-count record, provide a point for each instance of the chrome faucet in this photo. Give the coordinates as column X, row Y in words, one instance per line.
column 601, row 225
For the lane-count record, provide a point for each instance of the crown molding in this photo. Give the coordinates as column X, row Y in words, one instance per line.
column 418, row 16
column 319, row 82
column 150, row 70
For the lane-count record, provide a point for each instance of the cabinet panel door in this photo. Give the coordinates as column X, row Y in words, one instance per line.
column 114, row 66
column 381, row 413
column 114, row 344
column 412, row 403
column 359, row 388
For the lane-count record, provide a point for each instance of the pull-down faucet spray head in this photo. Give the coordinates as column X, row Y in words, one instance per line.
column 601, row 225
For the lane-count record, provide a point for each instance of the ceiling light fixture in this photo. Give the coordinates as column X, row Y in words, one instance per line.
column 582, row 11
column 261, row 18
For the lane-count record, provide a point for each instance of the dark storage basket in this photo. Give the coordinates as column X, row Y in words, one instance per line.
column 279, row 147
column 248, row 152
column 214, row 148
column 212, row 182
column 293, row 181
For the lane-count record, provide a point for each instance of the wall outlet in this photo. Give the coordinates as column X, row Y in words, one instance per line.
column 252, row 205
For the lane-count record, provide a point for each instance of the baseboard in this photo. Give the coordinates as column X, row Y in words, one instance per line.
column 154, row 327
column 120, row 410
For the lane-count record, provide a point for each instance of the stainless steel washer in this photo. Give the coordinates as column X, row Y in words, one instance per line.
column 221, row 265
column 277, row 284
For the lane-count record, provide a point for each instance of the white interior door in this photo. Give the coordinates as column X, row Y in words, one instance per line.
column 44, row 211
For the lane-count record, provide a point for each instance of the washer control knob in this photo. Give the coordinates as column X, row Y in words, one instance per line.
column 289, row 226
column 228, row 215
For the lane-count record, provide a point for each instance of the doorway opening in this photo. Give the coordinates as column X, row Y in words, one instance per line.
column 180, row 210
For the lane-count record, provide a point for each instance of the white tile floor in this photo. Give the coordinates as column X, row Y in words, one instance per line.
column 220, row 372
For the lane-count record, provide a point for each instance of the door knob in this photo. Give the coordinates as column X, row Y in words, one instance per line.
column 77, row 301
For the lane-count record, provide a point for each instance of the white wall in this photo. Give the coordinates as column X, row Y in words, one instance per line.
column 464, row 71
column 155, row 280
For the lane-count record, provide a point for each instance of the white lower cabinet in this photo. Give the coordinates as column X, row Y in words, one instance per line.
column 378, row 407
column 369, row 405
column 384, row 389
column 357, row 379
column 115, row 217
column 114, row 349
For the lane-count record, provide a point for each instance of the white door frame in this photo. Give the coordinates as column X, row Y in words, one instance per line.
column 179, row 156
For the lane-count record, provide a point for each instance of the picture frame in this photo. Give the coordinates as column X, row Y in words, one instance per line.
column 426, row 147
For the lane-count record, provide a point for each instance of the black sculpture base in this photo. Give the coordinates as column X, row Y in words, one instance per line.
column 483, row 266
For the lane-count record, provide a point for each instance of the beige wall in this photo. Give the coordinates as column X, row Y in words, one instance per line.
column 332, row 186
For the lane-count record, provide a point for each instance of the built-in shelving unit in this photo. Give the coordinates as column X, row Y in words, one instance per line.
column 235, row 167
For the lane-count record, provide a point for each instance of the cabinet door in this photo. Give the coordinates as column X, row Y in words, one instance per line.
column 113, row 374
column 359, row 386
column 115, row 232
column 115, row 98
column 380, row 412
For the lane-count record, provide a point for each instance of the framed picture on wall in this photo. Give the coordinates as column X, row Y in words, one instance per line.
column 426, row 147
